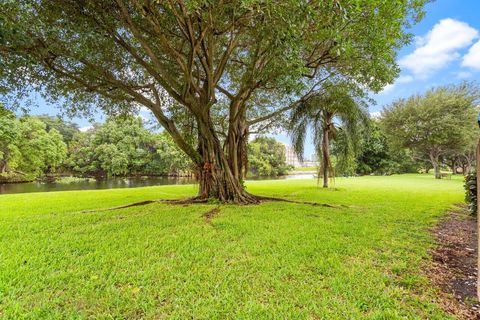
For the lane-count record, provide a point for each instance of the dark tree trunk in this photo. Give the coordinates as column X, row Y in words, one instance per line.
column 436, row 170
column 436, row 165
column 216, row 178
column 3, row 166
column 453, row 166
column 468, row 163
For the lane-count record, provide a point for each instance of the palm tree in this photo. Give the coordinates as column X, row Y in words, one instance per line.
column 336, row 108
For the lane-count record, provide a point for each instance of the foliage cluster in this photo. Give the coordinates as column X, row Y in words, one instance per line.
column 124, row 146
column 378, row 156
column 436, row 130
column 438, row 126
column 266, row 157
column 470, row 186
column 27, row 145
column 38, row 145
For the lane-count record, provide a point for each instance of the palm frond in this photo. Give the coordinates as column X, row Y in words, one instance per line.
column 340, row 106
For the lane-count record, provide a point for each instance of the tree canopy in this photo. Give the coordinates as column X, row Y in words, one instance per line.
column 26, row 145
column 124, row 54
column 9, row 133
column 66, row 128
column 377, row 155
column 266, row 157
column 434, row 124
column 125, row 147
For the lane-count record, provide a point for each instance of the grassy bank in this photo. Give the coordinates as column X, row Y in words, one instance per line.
column 275, row 260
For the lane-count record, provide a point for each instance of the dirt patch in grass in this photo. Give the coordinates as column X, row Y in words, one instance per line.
column 454, row 267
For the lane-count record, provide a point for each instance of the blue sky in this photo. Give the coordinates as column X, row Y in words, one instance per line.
column 446, row 50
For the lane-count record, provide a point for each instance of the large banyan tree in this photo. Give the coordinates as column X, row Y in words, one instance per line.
column 118, row 55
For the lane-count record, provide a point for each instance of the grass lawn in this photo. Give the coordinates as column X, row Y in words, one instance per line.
column 306, row 169
column 270, row 261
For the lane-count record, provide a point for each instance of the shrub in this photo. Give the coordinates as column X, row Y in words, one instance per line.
column 471, row 192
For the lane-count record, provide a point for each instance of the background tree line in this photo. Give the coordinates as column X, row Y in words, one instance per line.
column 427, row 131
column 28, row 146
column 33, row 146
column 434, row 130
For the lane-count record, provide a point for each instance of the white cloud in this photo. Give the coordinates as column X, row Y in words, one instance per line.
column 375, row 115
column 84, row 129
column 420, row 41
column 388, row 88
column 402, row 79
column 439, row 47
column 463, row 75
column 472, row 58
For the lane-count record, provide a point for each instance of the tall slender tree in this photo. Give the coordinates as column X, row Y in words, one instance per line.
column 339, row 108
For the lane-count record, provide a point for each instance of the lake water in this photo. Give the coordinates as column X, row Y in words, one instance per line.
column 112, row 183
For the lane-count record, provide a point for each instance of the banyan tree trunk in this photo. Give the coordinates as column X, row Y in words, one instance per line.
column 217, row 180
column 236, row 146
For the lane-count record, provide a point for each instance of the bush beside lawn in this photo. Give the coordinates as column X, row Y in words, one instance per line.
column 274, row 260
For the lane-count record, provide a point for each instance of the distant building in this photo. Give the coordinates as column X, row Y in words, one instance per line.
column 292, row 159
column 291, row 156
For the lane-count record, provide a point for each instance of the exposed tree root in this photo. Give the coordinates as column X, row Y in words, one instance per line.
column 273, row 199
column 193, row 200
column 199, row 200
column 210, row 214
column 135, row 204
column 246, row 199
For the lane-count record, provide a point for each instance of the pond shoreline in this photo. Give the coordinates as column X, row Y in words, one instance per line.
column 57, row 178
column 89, row 183
column 13, row 180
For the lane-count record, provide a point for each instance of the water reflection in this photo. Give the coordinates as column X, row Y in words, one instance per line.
column 112, row 183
